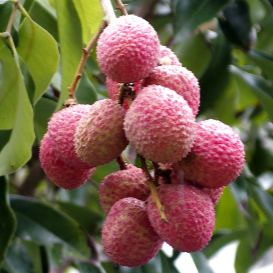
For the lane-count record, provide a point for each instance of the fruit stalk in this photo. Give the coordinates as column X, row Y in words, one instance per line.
column 121, row 162
column 121, row 7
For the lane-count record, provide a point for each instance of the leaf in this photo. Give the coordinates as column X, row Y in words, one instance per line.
column 192, row 13
column 69, row 27
column 103, row 170
column 5, row 11
column 201, row 262
column 16, row 113
column 243, row 258
column 261, row 88
column 7, row 219
column 167, row 264
column 39, row 51
column 88, row 268
column 44, row 225
column 91, row 15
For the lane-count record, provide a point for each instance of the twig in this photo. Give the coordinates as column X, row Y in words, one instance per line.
column 120, row 6
column 121, row 162
column 108, row 11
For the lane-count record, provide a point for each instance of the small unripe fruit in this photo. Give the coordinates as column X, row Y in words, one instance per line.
column 127, row 235
column 190, row 214
column 99, row 136
column 121, row 184
column 59, row 172
column 216, row 158
column 167, row 57
column 128, row 49
column 160, row 125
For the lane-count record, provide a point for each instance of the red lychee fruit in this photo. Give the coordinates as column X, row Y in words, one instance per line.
column 127, row 235
column 121, row 184
column 190, row 214
column 99, row 136
column 160, row 125
column 216, row 158
column 61, row 130
column 128, row 49
column 179, row 79
column 167, row 57
column 59, row 172
column 214, row 194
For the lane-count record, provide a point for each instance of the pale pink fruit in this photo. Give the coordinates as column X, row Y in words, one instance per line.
column 160, row 125
column 127, row 235
column 61, row 130
column 128, row 49
column 121, row 184
column 58, row 172
column 179, row 79
column 166, row 56
column 214, row 194
column 216, row 158
column 99, row 136
column 190, row 214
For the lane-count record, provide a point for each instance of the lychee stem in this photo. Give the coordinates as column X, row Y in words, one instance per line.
column 121, row 162
column 126, row 91
column 85, row 54
column 153, row 188
column 121, row 7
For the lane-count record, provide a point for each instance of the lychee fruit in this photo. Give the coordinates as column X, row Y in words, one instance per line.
column 179, row 79
column 160, row 125
column 216, row 158
column 121, row 184
column 128, row 49
column 214, row 194
column 99, row 136
column 190, row 214
column 127, row 235
column 61, row 130
column 59, row 172
column 167, row 57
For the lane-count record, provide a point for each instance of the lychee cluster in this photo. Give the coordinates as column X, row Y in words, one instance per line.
column 153, row 105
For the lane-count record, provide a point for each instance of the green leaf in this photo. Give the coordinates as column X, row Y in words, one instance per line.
column 16, row 113
column 5, row 12
column 88, row 268
column 44, row 225
column 261, row 88
column 71, row 45
column 103, row 170
column 7, row 219
column 167, row 264
column 201, row 262
column 91, row 15
column 243, row 259
column 192, row 13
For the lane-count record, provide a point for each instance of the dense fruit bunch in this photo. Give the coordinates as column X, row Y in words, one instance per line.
column 152, row 107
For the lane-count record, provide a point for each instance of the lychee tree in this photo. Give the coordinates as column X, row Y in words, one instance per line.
column 119, row 134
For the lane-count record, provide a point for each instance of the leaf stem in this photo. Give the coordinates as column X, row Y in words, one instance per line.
column 121, row 7
column 85, row 54
column 24, row 12
column 121, row 162
column 11, row 19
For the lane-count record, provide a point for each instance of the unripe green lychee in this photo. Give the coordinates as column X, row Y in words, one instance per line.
column 121, row 184
column 61, row 130
column 99, row 136
column 59, row 172
column 167, row 57
column 160, row 125
column 127, row 235
column 216, row 158
column 190, row 214
column 128, row 49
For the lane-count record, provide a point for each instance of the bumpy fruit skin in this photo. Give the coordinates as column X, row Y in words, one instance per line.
column 99, row 136
column 128, row 49
column 60, row 173
column 121, row 184
column 179, row 79
column 166, row 53
column 61, row 130
column 217, row 156
column 127, row 235
column 214, row 194
column 190, row 213
column 160, row 125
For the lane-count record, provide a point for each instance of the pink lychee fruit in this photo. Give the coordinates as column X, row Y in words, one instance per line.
column 99, row 136
column 121, row 184
column 167, row 57
column 59, row 172
column 214, row 194
column 216, row 158
column 61, row 130
column 128, row 49
column 179, row 79
column 127, row 235
column 160, row 125
column 190, row 214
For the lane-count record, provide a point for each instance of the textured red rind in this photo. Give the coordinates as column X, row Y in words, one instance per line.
column 61, row 130
column 216, row 158
column 121, row 184
column 127, row 235
column 166, row 52
column 190, row 213
column 160, row 125
column 99, row 136
column 60, row 173
column 128, row 49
